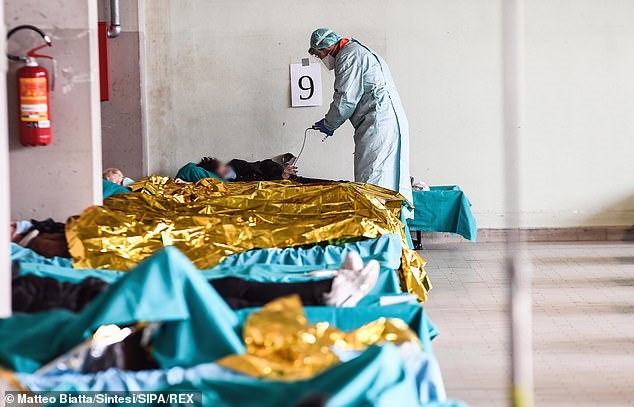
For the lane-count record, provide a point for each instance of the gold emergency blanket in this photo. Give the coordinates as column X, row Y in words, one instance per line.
column 281, row 344
column 210, row 220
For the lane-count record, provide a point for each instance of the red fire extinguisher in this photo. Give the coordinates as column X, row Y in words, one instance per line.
column 33, row 94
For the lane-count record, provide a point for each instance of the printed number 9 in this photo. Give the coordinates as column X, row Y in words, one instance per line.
column 310, row 87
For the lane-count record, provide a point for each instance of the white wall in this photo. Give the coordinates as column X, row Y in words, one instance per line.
column 580, row 104
column 217, row 84
column 63, row 178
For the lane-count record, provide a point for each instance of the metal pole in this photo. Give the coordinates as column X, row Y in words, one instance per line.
column 517, row 260
column 115, row 20
column 5, row 266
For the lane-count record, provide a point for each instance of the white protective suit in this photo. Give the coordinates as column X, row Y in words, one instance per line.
column 366, row 94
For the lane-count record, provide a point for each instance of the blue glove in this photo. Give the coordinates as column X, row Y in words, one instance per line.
column 321, row 126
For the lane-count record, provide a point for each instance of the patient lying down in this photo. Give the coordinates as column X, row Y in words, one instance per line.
column 116, row 176
column 281, row 167
column 344, row 288
column 45, row 238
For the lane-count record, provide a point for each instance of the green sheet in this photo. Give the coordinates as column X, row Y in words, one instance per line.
column 110, row 188
column 21, row 254
column 385, row 249
column 444, row 209
column 190, row 172
column 377, row 377
column 197, row 325
column 266, row 265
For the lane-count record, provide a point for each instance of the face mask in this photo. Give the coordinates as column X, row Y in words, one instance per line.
column 329, row 62
column 127, row 182
column 232, row 174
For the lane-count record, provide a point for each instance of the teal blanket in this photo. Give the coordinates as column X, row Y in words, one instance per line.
column 268, row 265
column 380, row 376
column 198, row 328
column 192, row 173
column 197, row 325
column 385, row 249
column 165, row 288
column 110, row 188
column 443, row 209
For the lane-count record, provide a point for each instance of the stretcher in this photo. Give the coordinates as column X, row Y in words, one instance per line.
column 199, row 328
column 443, row 209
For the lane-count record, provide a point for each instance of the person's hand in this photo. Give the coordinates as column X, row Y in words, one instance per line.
column 321, row 126
column 289, row 171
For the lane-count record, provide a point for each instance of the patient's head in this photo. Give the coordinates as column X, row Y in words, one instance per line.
column 113, row 175
column 217, row 167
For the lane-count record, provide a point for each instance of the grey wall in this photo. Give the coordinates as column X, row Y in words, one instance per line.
column 218, row 84
column 63, row 178
column 122, row 143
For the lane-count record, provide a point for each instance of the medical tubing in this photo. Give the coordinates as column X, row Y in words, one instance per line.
column 303, row 145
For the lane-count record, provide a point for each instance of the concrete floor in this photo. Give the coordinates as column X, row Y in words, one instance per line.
column 583, row 315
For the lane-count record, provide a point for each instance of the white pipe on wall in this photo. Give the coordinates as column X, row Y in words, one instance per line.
column 115, row 20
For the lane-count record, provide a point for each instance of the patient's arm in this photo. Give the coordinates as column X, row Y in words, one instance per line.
column 289, row 171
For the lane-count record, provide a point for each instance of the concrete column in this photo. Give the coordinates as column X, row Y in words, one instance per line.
column 5, row 269
column 63, row 178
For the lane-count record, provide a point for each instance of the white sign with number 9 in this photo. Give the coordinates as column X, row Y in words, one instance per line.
column 305, row 85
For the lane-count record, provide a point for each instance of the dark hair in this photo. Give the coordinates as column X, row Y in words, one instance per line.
column 210, row 164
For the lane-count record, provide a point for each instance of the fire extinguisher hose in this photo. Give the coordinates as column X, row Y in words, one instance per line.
column 44, row 36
